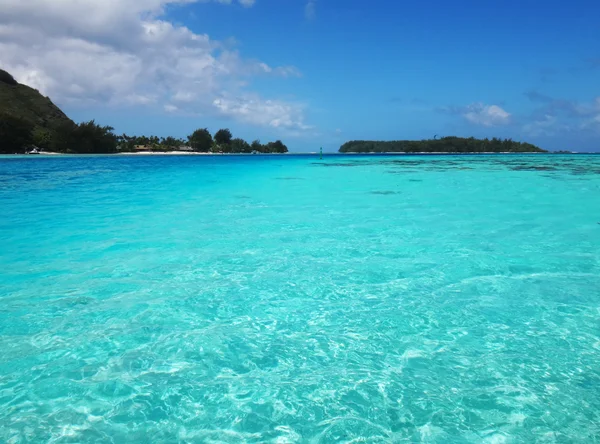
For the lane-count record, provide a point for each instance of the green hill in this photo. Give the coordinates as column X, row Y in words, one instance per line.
column 28, row 119
column 26, row 103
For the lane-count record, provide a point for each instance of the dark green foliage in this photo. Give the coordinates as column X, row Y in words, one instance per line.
column 257, row 146
column 62, row 137
column 141, row 140
column 444, row 145
column 28, row 104
column 22, row 107
column 276, row 147
column 92, row 138
column 165, row 144
column 201, row 140
column 42, row 138
column 7, row 78
column 223, row 137
column 15, row 134
column 171, row 142
column 240, row 146
column 125, row 143
column 85, row 138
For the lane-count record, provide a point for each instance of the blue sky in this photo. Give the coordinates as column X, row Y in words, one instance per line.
column 322, row 72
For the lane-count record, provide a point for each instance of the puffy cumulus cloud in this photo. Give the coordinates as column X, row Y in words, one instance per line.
column 480, row 114
column 125, row 52
column 254, row 110
column 486, row 115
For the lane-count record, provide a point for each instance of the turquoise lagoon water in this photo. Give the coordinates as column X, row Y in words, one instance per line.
column 288, row 299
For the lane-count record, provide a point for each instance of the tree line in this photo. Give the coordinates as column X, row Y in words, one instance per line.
column 30, row 120
column 201, row 141
column 443, row 145
column 18, row 135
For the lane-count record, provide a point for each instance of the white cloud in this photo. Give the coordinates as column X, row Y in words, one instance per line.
column 246, row 3
column 235, row 63
column 286, row 71
column 546, row 126
column 310, row 10
column 592, row 123
column 256, row 111
column 558, row 116
column 125, row 52
column 595, row 121
column 486, row 115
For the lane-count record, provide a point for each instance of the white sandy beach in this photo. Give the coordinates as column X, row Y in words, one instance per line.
column 168, row 153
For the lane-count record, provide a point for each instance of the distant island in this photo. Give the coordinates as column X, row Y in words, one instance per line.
column 442, row 145
column 31, row 123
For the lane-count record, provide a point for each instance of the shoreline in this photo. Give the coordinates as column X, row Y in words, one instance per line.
column 453, row 153
column 166, row 153
column 145, row 153
column 311, row 153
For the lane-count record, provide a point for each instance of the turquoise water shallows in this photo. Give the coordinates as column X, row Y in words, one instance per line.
column 287, row 299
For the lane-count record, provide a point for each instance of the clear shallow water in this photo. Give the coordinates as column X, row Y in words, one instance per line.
column 287, row 299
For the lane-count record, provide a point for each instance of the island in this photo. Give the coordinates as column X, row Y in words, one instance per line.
column 444, row 145
column 32, row 123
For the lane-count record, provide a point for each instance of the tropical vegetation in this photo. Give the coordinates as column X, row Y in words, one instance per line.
column 200, row 141
column 442, row 145
column 30, row 120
